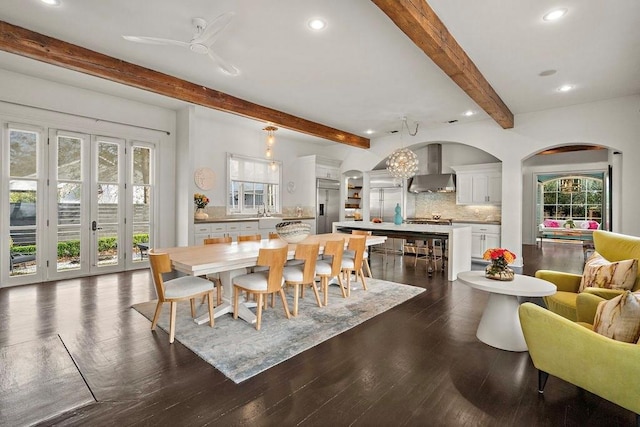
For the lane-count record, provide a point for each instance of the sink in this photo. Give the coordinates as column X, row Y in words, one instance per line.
column 268, row 223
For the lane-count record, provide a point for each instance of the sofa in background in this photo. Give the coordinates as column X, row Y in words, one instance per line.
column 555, row 229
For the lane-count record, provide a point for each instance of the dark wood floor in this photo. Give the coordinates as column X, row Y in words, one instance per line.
column 416, row 364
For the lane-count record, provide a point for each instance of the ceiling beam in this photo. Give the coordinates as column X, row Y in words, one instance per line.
column 23, row 42
column 420, row 23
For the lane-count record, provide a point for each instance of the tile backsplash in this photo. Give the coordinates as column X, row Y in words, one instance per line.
column 445, row 205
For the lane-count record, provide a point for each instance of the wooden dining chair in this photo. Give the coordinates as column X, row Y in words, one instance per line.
column 303, row 274
column 250, row 238
column 263, row 283
column 174, row 290
column 353, row 263
column 215, row 277
column 365, row 257
column 273, row 235
column 326, row 268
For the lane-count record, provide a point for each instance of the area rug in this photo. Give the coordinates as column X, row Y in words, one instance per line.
column 239, row 351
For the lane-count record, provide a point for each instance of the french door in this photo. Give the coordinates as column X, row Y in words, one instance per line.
column 76, row 192
column 86, row 231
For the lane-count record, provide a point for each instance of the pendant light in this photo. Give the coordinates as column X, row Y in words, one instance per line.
column 403, row 163
column 271, row 139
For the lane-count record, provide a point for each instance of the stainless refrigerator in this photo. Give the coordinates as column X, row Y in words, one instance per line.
column 383, row 201
column 327, row 204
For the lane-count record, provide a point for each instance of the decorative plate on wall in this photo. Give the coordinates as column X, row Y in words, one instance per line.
column 204, row 178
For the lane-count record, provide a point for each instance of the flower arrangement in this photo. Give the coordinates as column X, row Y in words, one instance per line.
column 200, row 200
column 500, row 259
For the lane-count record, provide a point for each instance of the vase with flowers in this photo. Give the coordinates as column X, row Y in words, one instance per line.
column 498, row 269
column 201, row 202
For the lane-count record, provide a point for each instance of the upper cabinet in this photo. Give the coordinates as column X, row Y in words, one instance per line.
column 479, row 184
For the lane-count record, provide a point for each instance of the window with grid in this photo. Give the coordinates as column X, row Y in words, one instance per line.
column 254, row 185
column 576, row 198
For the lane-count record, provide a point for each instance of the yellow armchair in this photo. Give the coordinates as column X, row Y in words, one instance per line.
column 612, row 246
column 576, row 354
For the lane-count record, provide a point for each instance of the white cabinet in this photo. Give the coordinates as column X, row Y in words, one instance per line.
column 483, row 237
column 479, row 184
column 328, row 172
column 221, row 229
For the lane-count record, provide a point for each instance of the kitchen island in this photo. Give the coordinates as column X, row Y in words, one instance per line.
column 458, row 239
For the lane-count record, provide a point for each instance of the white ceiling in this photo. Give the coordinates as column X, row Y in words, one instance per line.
column 361, row 72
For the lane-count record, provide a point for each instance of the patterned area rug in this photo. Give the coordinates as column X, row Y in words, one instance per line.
column 239, row 351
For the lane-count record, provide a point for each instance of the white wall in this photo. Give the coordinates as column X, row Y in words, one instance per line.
column 612, row 123
column 46, row 95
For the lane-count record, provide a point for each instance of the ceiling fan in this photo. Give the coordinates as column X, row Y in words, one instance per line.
column 204, row 37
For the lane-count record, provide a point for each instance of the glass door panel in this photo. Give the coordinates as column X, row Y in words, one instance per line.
column 24, row 184
column 68, row 207
column 141, row 168
column 107, row 198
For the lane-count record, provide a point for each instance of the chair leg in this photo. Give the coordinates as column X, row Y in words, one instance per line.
column 315, row 291
column 283, row 297
column 296, row 290
column 192, row 302
column 344, row 292
column 542, row 380
column 219, row 293
column 211, row 316
column 324, row 283
column 348, row 274
column 259, row 312
column 366, row 264
column 172, row 322
column 236, row 291
column 364, row 283
column 156, row 316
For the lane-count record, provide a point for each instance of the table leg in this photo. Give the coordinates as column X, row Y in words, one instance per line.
column 500, row 324
column 226, row 277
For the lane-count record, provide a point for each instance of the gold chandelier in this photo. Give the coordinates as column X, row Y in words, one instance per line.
column 403, row 163
column 570, row 185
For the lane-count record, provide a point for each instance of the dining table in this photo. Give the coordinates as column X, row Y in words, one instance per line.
column 233, row 259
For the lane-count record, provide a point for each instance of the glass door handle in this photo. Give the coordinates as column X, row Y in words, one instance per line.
column 94, row 226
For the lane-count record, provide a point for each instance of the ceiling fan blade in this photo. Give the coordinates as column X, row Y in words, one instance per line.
column 225, row 66
column 213, row 29
column 155, row 40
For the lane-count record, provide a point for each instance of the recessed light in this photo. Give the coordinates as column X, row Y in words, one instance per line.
column 554, row 15
column 369, row 131
column 468, row 113
column 51, row 2
column 317, row 24
column 565, row 88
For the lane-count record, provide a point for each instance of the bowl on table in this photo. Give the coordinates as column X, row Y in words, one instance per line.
column 293, row 231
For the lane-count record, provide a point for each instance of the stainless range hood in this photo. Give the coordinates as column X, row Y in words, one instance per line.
column 433, row 180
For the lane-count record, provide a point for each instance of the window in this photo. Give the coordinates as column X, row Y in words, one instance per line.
column 577, row 198
column 253, row 184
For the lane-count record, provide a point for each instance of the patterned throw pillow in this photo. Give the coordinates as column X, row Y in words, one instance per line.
column 551, row 223
column 600, row 273
column 619, row 318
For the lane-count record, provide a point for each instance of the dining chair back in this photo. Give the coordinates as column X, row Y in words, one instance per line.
column 303, row 274
column 352, row 262
column 365, row 256
column 263, row 282
column 250, row 238
column 174, row 290
column 327, row 270
column 216, row 240
column 273, row 235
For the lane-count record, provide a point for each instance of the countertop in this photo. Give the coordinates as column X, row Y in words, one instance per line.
column 244, row 219
column 460, row 221
column 417, row 228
